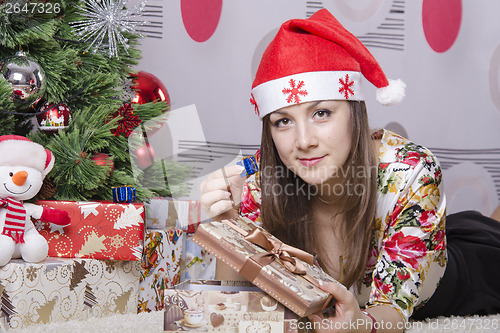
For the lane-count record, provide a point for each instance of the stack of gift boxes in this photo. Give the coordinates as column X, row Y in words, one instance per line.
column 93, row 267
column 115, row 257
column 170, row 256
column 127, row 257
column 282, row 287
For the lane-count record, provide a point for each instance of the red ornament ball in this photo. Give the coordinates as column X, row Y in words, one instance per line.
column 144, row 156
column 103, row 160
column 148, row 88
column 53, row 118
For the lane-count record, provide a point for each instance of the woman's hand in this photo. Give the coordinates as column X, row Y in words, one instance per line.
column 216, row 197
column 348, row 316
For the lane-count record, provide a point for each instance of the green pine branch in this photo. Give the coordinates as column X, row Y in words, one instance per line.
column 93, row 86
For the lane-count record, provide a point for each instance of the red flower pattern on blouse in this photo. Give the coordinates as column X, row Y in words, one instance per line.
column 403, row 275
column 385, row 287
column 428, row 219
column 409, row 247
column 439, row 239
column 249, row 207
column 412, row 158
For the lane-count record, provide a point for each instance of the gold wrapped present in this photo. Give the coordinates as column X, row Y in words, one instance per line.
column 286, row 273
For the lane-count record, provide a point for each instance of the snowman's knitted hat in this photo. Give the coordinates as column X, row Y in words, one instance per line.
column 317, row 59
column 17, row 150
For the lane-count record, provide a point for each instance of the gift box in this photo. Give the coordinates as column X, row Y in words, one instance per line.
column 168, row 213
column 286, row 273
column 223, row 306
column 61, row 289
column 160, row 267
column 98, row 230
column 123, row 194
column 196, row 263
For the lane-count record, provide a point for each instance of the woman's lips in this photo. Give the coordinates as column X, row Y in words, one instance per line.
column 310, row 161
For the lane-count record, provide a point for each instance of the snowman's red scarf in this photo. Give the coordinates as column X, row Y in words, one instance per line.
column 14, row 220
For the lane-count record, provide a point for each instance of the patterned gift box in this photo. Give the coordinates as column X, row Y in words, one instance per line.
column 61, row 289
column 160, row 267
column 268, row 263
column 196, row 263
column 98, row 230
column 167, row 213
column 226, row 306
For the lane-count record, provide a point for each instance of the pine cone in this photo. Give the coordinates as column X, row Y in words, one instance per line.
column 48, row 189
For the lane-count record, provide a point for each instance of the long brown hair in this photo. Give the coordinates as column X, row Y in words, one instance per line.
column 287, row 214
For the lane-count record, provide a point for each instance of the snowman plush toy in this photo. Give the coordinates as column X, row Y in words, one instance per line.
column 23, row 166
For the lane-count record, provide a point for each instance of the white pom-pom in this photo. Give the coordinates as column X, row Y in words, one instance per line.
column 392, row 94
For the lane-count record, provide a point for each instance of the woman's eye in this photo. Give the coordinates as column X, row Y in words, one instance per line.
column 282, row 122
column 322, row 113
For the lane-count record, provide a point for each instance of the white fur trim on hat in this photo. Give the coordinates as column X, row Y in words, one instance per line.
column 391, row 94
column 307, row 87
column 20, row 151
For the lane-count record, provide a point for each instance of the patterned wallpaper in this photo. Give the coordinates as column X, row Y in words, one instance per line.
column 447, row 52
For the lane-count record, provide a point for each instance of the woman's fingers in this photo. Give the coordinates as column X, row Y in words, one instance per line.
column 338, row 290
column 220, row 191
column 216, row 202
column 213, row 184
column 217, row 181
column 234, row 171
column 346, row 310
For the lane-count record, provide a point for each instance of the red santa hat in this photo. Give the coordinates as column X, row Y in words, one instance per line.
column 17, row 150
column 317, row 59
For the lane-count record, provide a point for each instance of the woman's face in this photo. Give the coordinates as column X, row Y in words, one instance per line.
column 313, row 139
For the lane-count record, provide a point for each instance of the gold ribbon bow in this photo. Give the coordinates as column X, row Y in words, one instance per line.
column 274, row 249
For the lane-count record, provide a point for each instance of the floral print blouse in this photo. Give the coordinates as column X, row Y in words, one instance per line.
column 408, row 248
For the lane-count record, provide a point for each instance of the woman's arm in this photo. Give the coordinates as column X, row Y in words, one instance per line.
column 388, row 319
column 412, row 246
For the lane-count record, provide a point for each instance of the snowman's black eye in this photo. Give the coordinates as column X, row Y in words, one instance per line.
column 11, row 174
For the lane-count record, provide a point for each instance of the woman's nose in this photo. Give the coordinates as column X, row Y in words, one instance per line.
column 306, row 136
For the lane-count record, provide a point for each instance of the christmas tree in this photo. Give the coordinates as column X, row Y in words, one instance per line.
column 78, row 100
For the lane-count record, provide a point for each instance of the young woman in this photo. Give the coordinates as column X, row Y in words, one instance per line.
column 369, row 204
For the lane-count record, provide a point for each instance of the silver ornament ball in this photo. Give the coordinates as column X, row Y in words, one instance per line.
column 27, row 79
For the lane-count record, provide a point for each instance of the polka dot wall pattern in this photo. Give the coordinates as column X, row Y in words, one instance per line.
column 466, row 179
column 358, row 13
column 471, row 178
column 412, row 39
column 441, row 23
column 469, row 174
column 201, row 18
column 390, row 32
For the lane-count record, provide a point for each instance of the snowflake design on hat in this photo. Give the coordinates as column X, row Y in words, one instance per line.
column 346, row 87
column 294, row 91
column 254, row 102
